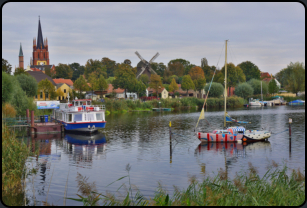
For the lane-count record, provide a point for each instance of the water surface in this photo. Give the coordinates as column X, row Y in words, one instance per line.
column 142, row 140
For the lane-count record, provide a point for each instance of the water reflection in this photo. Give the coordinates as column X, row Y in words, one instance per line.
column 84, row 147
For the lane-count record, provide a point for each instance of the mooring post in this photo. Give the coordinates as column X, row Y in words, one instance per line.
column 170, row 141
column 27, row 114
column 32, row 121
column 290, row 121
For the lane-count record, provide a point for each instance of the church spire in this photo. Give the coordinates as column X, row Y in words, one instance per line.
column 20, row 51
column 40, row 40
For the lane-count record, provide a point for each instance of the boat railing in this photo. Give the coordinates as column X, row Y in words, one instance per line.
column 87, row 108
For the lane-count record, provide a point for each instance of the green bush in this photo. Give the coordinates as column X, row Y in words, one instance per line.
column 7, row 87
column 244, row 90
column 216, row 89
column 28, row 84
column 256, row 85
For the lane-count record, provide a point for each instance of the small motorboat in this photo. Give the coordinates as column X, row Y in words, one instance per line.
column 255, row 103
column 255, row 135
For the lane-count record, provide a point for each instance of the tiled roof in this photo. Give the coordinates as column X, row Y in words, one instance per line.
column 264, row 74
column 118, row 90
column 151, row 90
column 39, row 76
column 66, row 81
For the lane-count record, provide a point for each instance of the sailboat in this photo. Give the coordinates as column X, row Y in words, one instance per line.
column 233, row 133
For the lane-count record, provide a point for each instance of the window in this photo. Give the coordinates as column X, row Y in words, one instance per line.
column 41, row 95
column 46, row 95
column 64, row 90
column 78, row 117
column 35, row 96
column 98, row 116
column 59, row 97
column 89, row 117
column 69, row 118
column 88, row 102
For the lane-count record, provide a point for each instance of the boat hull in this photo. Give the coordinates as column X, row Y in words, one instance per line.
column 212, row 137
column 256, row 136
column 84, row 127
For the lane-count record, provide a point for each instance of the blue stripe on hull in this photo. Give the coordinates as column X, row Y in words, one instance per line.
column 83, row 126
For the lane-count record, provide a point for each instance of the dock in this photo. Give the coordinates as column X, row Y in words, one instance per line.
column 161, row 109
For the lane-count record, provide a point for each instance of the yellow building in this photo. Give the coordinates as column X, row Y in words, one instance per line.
column 62, row 90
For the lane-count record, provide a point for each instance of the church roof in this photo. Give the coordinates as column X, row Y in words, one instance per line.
column 20, row 51
column 40, row 40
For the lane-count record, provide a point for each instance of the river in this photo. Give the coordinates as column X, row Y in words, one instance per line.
column 141, row 139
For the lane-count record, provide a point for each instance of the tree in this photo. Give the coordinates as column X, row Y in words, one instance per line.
column 250, row 70
column 273, row 88
column 167, row 73
column 235, row 75
column 93, row 80
column 256, row 85
column 208, row 71
column 28, row 84
column 169, row 80
column 19, row 100
column 204, row 62
column 144, row 78
column 173, row 86
column 216, row 89
column 46, row 86
column 293, row 77
column 155, row 82
column 60, row 93
column 244, row 90
column 50, row 72
column 77, row 70
column 20, row 71
column 140, row 87
column 6, row 66
column 63, row 71
column 95, row 66
column 124, row 78
column 176, row 68
column 187, row 83
column 80, row 84
column 186, row 64
column 7, row 87
column 198, row 76
column 127, row 61
column 158, row 67
column 110, row 66
column 102, row 83
column 110, row 80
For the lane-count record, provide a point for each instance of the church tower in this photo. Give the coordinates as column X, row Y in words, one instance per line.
column 21, row 63
column 40, row 55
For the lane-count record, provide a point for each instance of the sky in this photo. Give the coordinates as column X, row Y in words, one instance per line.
column 270, row 35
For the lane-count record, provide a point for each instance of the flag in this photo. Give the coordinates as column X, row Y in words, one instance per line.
column 201, row 116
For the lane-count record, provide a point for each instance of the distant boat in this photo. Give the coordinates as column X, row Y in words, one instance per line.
column 297, row 102
column 254, row 103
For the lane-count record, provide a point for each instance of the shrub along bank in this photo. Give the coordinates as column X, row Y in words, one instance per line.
column 114, row 106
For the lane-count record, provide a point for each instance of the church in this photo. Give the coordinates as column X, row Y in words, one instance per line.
column 40, row 55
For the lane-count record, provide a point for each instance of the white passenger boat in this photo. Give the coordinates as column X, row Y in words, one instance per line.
column 80, row 115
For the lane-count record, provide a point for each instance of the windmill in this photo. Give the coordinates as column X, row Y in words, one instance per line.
column 144, row 66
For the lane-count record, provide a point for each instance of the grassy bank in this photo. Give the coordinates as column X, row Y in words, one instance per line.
column 116, row 106
column 275, row 188
column 14, row 155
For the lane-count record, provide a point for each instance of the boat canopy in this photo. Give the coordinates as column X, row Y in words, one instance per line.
column 297, row 101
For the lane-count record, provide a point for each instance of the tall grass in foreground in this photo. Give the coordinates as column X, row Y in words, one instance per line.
column 14, row 155
column 275, row 188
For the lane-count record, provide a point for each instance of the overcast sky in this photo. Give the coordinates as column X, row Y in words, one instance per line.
column 271, row 35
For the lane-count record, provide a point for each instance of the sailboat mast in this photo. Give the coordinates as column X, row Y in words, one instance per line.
column 225, row 96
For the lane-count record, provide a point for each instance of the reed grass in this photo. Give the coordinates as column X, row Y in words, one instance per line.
column 119, row 106
column 275, row 188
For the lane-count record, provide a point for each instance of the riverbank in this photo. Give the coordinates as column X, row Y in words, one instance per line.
column 14, row 155
column 275, row 188
column 121, row 106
